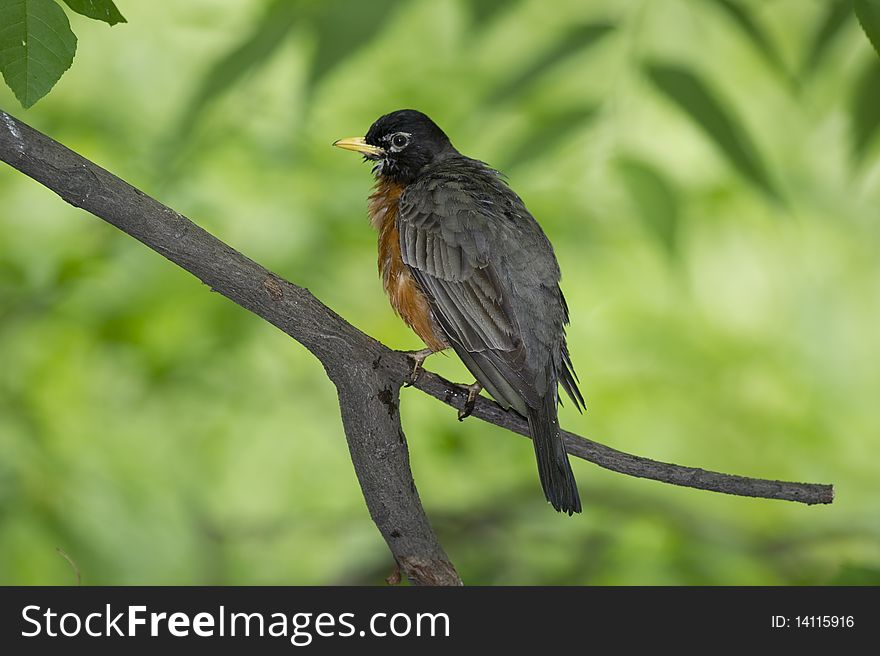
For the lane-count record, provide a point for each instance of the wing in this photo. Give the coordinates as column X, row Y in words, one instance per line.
column 447, row 245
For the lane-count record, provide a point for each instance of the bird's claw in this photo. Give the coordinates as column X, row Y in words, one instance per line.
column 468, row 407
column 418, row 358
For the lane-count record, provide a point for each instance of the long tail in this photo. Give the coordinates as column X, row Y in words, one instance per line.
column 554, row 469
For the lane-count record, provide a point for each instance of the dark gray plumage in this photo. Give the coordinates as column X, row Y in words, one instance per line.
column 492, row 280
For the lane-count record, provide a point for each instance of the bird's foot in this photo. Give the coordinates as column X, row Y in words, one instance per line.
column 418, row 358
column 468, row 407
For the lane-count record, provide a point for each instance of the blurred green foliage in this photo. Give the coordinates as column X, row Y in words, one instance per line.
column 159, row 434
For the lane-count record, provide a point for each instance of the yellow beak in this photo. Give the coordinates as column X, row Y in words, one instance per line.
column 358, row 145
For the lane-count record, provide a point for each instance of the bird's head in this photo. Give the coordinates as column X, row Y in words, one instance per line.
column 401, row 144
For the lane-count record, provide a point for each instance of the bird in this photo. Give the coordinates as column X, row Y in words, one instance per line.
column 467, row 267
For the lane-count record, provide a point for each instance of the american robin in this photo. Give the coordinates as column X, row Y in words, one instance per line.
column 466, row 265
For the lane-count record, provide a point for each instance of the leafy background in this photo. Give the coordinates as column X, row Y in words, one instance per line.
column 707, row 169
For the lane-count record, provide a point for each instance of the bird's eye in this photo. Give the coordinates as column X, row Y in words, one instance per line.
column 399, row 141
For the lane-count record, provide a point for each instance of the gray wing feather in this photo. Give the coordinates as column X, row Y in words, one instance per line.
column 447, row 245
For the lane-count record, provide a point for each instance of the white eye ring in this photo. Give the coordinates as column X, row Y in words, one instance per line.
column 399, row 141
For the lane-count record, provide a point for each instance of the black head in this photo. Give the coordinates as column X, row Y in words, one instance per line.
column 401, row 143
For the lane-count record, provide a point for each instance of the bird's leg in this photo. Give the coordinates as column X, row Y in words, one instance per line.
column 418, row 358
column 473, row 392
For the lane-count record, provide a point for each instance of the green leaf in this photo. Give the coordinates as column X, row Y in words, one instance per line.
column 340, row 33
column 36, row 47
column 344, row 28
column 580, row 38
column 547, row 132
column 483, row 11
column 754, row 32
column 865, row 110
column 836, row 14
column 655, row 198
column 868, row 13
column 718, row 122
column 102, row 10
column 254, row 49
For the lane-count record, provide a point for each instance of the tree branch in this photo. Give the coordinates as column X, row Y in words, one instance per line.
column 367, row 374
column 631, row 465
column 368, row 395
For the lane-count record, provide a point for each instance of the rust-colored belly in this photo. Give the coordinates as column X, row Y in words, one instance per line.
column 403, row 291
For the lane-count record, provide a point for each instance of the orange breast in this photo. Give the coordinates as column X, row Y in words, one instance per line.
column 403, row 291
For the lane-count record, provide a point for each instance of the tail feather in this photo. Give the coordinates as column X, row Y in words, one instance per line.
column 557, row 479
